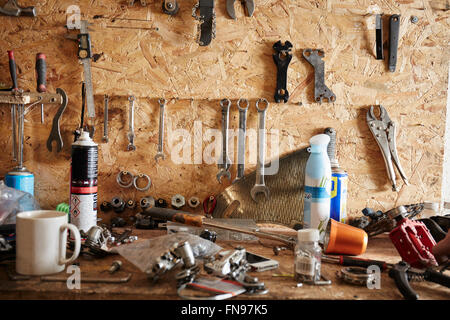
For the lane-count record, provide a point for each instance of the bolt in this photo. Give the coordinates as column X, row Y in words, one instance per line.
column 115, row 266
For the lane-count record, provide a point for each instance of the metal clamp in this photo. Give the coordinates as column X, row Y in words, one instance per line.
column 142, row 175
column 123, row 183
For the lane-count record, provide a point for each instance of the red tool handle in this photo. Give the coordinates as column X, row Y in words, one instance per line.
column 12, row 69
column 175, row 216
column 41, row 70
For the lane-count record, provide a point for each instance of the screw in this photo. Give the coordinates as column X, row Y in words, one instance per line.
column 115, row 266
column 414, row 19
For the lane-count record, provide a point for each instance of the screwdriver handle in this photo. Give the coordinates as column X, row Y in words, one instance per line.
column 41, row 70
column 12, row 69
column 175, row 216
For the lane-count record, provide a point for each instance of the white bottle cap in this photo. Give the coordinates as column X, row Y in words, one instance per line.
column 320, row 139
column 319, row 143
column 309, row 235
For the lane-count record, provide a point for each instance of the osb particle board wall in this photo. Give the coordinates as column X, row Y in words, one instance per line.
column 168, row 63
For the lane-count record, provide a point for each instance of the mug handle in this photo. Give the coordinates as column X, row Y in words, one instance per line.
column 62, row 243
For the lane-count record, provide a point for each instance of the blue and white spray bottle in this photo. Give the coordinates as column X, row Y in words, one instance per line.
column 316, row 209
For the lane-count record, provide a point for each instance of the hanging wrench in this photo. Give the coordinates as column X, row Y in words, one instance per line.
column 224, row 162
column 241, row 138
column 131, row 146
column 105, row 120
column 260, row 186
column 55, row 134
column 160, row 153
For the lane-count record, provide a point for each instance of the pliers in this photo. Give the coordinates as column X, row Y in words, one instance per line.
column 249, row 6
column 384, row 130
column 402, row 273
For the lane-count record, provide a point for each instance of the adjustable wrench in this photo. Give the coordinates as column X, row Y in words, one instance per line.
column 131, row 146
column 241, row 138
column 105, row 120
column 260, row 186
column 224, row 161
column 160, row 153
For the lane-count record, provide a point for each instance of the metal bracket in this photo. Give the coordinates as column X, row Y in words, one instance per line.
column 379, row 36
column 321, row 91
column 394, row 28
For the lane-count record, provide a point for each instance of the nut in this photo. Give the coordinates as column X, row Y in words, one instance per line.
column 147, row 203
column 194, row 202
column 131, row 204
column 118, row 204
column 178, row 201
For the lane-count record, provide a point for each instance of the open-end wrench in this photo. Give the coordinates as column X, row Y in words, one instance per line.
column 55, row 134
column 105, row 120
column 131, row 146
column 160, row 153
column 241, row 138
column 260, row 186
column 224, row 161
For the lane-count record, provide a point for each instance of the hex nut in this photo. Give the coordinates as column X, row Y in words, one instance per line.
column 194, row 202
column 178, row 201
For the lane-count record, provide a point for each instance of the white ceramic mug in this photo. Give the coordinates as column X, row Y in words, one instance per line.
column 41, row 238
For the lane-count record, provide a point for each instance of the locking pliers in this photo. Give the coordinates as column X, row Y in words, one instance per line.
column 249, row 6
column 384, row 130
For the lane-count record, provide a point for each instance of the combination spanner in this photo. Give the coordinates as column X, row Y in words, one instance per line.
column 224, row 161
column 160, row 153
column 260, row 186
column 241, row 138
column 131, row 146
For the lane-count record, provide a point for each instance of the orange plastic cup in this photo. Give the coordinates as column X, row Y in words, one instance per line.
column 342, row 238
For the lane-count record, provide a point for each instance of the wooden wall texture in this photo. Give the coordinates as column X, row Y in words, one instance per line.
column 168, row 63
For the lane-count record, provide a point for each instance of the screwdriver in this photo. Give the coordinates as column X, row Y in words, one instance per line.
column 200, row 221
column 41, row 69
column 356, row 262
column 12, row 71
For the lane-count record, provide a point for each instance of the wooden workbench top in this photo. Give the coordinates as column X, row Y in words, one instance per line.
column 280, row 288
